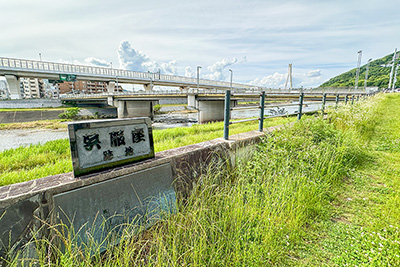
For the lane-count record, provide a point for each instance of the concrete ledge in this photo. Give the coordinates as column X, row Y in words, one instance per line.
column 26, row 206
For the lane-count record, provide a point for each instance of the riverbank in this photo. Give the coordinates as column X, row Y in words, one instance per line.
column 322, row 192
column 364, row 224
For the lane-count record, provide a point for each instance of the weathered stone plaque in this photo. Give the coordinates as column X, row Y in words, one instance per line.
column 101, row 144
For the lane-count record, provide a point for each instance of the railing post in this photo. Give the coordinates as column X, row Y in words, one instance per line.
column 301, row 98
column 262, row 106
column 323, row 103
column 337, row 100
column 352, row 99
column 346, row 99
column 227, row 113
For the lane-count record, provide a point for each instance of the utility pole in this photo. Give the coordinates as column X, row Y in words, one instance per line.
column 395, row 76
column 391, row 71
column 358, row 69
column 366, row 75
column 289, row 77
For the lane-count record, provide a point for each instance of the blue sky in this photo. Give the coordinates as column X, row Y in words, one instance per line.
column 257, row 39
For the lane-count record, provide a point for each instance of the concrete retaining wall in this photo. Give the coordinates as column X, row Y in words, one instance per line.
column 24, row 207
column 31, row 103
column 173, row 101
column 25, row 116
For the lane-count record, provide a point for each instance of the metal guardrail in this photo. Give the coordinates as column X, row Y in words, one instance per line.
column 64, row 68
column 262, row 106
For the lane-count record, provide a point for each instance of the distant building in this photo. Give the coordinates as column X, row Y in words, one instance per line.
column 3, row 89
column 32, row 88
column 85, row 87
column 51, row 91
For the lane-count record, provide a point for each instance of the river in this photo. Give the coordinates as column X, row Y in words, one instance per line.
column 25, row 137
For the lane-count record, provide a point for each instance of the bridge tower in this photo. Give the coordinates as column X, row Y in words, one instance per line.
column 289, row 77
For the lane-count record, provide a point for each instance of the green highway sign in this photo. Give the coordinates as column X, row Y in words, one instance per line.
column 67, row 77
column 55, row 81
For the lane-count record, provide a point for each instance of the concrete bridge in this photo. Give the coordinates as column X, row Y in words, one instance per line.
column 13, row 69
column 205, row 95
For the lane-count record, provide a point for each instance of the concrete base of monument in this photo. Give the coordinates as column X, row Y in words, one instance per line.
column 28, row 207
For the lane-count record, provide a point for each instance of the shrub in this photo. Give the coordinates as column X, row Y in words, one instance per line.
column 70, row 113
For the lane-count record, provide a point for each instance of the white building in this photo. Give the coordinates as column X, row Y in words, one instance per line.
column 32, row 88
column 3, row 89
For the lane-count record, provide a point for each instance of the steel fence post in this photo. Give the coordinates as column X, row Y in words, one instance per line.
column 337, row 100
column 262, row 105
column 227, row 113
column 323, row 103
column 301, row 98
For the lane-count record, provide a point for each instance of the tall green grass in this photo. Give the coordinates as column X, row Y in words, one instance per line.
column 257, row 213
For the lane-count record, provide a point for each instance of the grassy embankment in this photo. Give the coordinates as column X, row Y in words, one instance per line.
column 315, row 194
column 36, row 161
column 364, row 229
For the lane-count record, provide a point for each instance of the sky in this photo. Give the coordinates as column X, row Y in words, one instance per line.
column 257, row 39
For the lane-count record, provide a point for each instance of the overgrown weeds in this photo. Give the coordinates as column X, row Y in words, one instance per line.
column 260, row 212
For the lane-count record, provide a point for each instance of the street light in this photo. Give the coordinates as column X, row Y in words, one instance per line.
column 198, row 77
column 366, row 75
column 40, row 56
column 391, row 71
column 231, row 77
column 358, row 69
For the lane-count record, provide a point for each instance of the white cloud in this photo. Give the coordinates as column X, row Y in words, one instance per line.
column 189, row 72
column 277, row 80
column 132, row 59
column 218, row 69
column 97, row 62
column 314, row 73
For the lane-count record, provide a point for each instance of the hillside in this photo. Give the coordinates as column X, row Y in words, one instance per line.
column 378, row 76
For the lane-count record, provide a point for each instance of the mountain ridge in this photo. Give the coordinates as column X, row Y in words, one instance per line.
column 378, row 75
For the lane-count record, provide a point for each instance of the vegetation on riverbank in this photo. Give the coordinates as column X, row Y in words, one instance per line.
column 378, row 75
column 36, row 161
column 319, row 193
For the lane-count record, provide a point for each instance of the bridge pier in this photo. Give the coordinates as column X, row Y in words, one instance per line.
column 148, row 87
column 110, row 87
column 212, row 110
column 191, row 101
column 14, row 87
column 134, row 108
column 110, row 101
